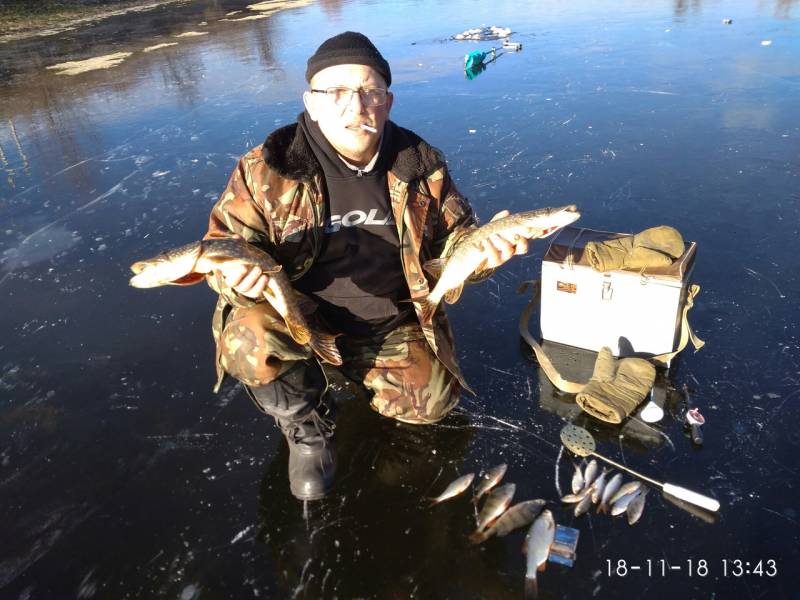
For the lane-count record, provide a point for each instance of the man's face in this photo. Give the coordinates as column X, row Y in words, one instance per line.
column 341, row 125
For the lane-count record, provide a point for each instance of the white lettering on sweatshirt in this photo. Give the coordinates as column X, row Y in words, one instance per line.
column 356, row 217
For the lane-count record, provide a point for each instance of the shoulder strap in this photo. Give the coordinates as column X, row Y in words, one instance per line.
column 544, row 361
column 686, row 329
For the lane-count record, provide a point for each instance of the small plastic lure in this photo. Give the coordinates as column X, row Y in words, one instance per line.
column 694, row 417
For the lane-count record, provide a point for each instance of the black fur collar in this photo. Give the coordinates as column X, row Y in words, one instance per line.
column 288, row 153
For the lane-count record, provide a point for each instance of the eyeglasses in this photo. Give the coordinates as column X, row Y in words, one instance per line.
column 341, row 96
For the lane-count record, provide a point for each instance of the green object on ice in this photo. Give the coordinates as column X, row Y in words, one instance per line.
column 474, row 71
column 474, row 59
column 475, row 62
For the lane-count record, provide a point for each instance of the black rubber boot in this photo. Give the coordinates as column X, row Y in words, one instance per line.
column 312, row 455
column 293, row 399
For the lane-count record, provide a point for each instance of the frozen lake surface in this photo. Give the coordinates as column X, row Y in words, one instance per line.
column 123, row 476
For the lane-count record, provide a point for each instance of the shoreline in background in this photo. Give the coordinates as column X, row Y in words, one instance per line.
column 104, row 33
column 25, row 20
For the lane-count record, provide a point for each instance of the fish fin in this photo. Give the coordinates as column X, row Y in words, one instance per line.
column 428, row 309
column 431, row 502
column 189, row 279
column 435, row 266
column 531, row 588
column 453, row 295
column 325, row 347
column 298, row 331
column 468, row 389
column 547, row 232
column 478, row 537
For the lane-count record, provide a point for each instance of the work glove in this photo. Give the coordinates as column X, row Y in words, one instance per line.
column 654, row 247
column 617, row 387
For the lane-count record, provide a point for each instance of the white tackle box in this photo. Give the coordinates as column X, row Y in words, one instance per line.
column 631, row 312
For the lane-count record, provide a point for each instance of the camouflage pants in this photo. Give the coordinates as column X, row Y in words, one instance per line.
column 407, row 381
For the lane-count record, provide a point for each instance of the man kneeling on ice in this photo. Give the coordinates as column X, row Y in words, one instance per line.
column 350, row 205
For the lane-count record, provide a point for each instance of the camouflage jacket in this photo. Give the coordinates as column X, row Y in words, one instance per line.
column 274, row 199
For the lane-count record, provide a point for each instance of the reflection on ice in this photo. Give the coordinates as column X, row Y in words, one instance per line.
column 43, row 244
column 386, row 467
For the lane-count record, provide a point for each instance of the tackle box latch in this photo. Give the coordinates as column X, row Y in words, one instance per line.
column 607, row 292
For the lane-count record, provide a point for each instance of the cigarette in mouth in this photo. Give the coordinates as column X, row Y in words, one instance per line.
column 368, row 128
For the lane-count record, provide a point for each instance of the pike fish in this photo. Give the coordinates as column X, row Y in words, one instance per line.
column 516, row 516
column 466, row 257
column 490, row 479
column 537, row 547
column 189, row 264
column 636, row 507
column 454, row 489
column 495, row 505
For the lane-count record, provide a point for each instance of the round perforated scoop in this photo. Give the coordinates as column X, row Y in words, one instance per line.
column 577, row 440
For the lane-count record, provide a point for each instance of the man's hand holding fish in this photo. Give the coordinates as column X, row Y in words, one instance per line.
column 247, row 281
column 501, row 247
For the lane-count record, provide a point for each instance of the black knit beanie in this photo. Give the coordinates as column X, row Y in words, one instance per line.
column 348, row 48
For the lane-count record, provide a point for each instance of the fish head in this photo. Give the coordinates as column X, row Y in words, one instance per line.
column 553, row 219
column 171, row 267
column 544, row 222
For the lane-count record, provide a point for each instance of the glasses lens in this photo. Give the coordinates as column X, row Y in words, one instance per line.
column 374, row 96
column 342, row 96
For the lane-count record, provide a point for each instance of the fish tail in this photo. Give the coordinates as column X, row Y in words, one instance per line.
column 298, row 330
column 428, row 309
column 324, row 345
column 452, row 296
column 531, row 588
column 466, row 387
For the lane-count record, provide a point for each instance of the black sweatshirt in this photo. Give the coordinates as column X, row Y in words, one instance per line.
column 357, row 279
